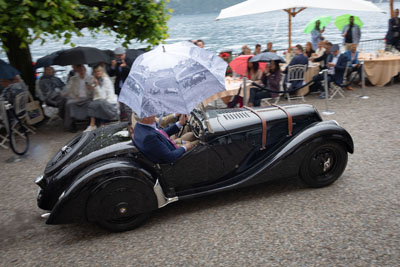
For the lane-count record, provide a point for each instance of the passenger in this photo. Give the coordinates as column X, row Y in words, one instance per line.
column 245, row 50
column 271, row 79
column 104, row 106
column 155, row 142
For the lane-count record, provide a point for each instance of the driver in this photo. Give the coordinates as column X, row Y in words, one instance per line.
column 155, row 142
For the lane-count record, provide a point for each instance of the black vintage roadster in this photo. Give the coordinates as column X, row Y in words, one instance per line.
column 101, row 177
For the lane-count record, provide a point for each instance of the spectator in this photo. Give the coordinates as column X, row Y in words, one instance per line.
column 309, row 50
column 352, row 58
column 11, row 88
column 323, row 59
column 351, row 34
column 257, row 50
column 253, row 71
column 120, row 68
column 245, row 50
column 104, row 106
column 299, row 59
column 269, row 48
column 271, row 79
column 200, row 43
column 78, row 95
column 316, row 34
column 50, row 88
column 320, row 50
column 393, row 34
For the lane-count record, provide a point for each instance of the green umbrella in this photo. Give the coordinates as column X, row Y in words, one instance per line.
column 324, row 21
column 343, row 20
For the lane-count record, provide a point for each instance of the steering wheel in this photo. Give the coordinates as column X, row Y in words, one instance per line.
column 195, row 126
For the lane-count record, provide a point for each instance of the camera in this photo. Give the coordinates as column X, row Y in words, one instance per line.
column 119, row 61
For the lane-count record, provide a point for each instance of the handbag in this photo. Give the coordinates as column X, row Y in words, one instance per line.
column 34, row 112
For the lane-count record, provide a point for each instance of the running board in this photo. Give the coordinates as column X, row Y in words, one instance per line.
column 161, row 198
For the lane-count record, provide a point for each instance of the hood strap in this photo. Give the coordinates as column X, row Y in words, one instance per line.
column 290, row 119
column 264, row 127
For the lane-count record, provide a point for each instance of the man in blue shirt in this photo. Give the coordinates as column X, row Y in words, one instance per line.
column 354, row 64
column 299, row 59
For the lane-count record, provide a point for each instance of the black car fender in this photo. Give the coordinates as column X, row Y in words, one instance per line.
column 287, row 161
column 71, row 205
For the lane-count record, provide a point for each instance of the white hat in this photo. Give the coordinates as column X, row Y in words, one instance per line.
column 119, row 51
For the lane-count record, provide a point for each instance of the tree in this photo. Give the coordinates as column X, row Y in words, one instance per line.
column 24, row 21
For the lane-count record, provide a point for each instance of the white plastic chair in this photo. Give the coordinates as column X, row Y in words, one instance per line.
column 295, row 73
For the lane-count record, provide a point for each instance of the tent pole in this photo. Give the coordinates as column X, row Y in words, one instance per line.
column 290, row 30
column 391, row 9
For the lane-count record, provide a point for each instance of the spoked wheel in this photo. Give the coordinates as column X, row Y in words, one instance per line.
column 324, row 165
column 121, row 204
column 19, row 139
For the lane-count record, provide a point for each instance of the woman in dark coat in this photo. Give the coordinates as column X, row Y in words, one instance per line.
column 271, row 79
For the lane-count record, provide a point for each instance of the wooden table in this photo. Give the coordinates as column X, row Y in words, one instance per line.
column 380, row 70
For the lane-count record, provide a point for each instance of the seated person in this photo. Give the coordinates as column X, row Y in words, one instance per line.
column 104, row 106
column 324, row 57
column 352, row 58
column 309, row 50
column 271, row 79
column 11, row 88
column 253, row 71
column 299, row 59
column 320, row 50
column 50, row 89
column 257, row 49
column 79, row 95
column 155, row 142
column 336, row 63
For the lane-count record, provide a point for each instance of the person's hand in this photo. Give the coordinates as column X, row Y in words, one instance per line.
column 188, row 146
column 113, row 63
column 95, row 82
column 183, row 119
column 330, row 64
column 123, row 63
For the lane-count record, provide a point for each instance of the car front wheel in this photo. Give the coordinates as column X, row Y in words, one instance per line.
column 324, row 164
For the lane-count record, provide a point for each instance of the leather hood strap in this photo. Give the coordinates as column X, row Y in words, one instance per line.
column 290, row 119
column 264, row 127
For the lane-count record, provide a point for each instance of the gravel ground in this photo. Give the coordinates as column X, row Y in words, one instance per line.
column 354, row 222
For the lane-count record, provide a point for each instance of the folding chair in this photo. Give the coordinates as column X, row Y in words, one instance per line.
column 295, row 73
column 338, row 88
column 20, row 111
column 3, row 124
column 274, row 100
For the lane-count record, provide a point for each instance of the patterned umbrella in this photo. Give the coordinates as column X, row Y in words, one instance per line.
column 172, row 79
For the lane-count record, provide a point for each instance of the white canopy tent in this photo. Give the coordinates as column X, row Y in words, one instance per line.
column 293, row 7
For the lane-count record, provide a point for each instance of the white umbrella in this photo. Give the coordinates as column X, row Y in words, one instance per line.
column 172, row 78
column 293, row 7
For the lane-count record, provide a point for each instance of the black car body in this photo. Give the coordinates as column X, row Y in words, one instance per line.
column 101, row 177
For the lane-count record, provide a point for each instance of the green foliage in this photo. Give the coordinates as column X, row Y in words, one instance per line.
column 29, row 20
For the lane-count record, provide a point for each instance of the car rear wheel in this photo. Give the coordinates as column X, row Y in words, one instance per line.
column 324, row 164
column 121, row 204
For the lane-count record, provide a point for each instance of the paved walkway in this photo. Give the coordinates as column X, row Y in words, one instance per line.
column 354, row 222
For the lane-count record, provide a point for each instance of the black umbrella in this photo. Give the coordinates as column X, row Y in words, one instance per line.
column 81, row 55
column 267, row 57
column 7, row 71
column 47, row 60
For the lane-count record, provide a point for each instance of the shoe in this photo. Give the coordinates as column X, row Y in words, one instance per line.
column 322, row 96
column 90, row 128
column 350, row 88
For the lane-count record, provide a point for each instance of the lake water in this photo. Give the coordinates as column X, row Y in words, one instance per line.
column 231, row 34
